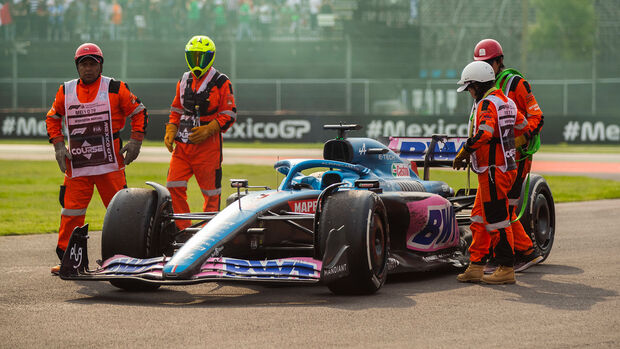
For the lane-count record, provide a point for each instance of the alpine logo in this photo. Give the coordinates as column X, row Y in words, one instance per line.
column 303, row 206
column 362, row 150
column 78, row 131
column 76, row 256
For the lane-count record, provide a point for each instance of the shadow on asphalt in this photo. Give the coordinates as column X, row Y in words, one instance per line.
column 397, row 292
column 533, row 286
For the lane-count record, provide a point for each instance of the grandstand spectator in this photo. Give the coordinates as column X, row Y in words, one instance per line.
column 154, row 19
column 232, row 9
column 163, row 19
column 93, row 20
column 327, row 12
column 7, row 27
column 265, row 19
column 56, row 17
column 315, row 6
column 116, row 19
column 193, row 16
column 221, row 20
column 245, row 21
column 295, row 15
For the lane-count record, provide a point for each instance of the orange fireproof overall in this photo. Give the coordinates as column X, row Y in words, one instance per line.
column 518, row 89
column 492, row 148
column 76, row 191
column 212, row 98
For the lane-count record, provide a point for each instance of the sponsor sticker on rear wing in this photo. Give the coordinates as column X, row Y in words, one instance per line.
column 441, row 149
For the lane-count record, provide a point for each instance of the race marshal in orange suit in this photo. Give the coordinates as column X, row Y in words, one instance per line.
column 203, row 108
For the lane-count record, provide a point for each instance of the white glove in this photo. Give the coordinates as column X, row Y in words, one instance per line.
column 61, row 153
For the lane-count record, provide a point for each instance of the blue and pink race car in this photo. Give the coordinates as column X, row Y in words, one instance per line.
column 346, row 221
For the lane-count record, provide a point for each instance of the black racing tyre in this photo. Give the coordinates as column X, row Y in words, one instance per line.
column 538, row 219
column 465, row 239
column 362, row 217
column 128, row 230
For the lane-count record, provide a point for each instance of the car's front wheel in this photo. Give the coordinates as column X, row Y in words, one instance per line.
column 128, row 230
column 361, row 218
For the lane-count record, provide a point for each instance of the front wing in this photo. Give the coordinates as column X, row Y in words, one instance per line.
column 290, row 270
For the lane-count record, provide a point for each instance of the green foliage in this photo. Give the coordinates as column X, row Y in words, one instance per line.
column 565, row 26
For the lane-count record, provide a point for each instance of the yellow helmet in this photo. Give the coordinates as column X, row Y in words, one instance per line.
column 199, row 54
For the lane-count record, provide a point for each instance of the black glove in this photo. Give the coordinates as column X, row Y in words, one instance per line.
column 461, row 160
column 61, row 153
column 133, row 149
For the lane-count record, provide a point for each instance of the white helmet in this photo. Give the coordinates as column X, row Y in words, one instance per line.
column 478, row 71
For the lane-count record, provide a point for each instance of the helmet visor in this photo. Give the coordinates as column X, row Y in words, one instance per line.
column 198, row 59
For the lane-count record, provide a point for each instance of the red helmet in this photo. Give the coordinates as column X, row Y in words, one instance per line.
column 487, row 49
column 89, row 49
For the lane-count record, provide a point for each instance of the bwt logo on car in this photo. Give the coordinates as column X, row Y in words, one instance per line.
column 303, row 206
column 416, row 148
column 268, row 268
column 285, row 129
column 440, row 230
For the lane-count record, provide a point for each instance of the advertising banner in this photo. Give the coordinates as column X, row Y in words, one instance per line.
column 291, row 128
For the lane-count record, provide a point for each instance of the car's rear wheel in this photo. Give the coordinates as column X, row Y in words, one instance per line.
column 361, row 217
column 538, row 220
column 128, row 230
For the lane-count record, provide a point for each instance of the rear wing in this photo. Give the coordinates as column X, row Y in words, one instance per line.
column 435, row 151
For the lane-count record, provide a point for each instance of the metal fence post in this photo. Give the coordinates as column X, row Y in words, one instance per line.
column 124, row 61
column 278, row 95
column 14, row 75
column 348, row 74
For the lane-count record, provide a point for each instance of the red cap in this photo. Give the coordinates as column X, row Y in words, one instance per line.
column 86, row 50
column 487, row 49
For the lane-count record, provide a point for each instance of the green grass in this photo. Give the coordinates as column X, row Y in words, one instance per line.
column 29, row 200
column 545, row 148
column 29, row 191
column 566, row 148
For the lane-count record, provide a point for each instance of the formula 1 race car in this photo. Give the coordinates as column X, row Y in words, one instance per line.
column 347, row 221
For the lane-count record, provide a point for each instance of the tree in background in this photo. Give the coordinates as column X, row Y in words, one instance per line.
column 564, row 26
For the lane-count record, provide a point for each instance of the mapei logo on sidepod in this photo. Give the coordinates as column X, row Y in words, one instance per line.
column 303, row 206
